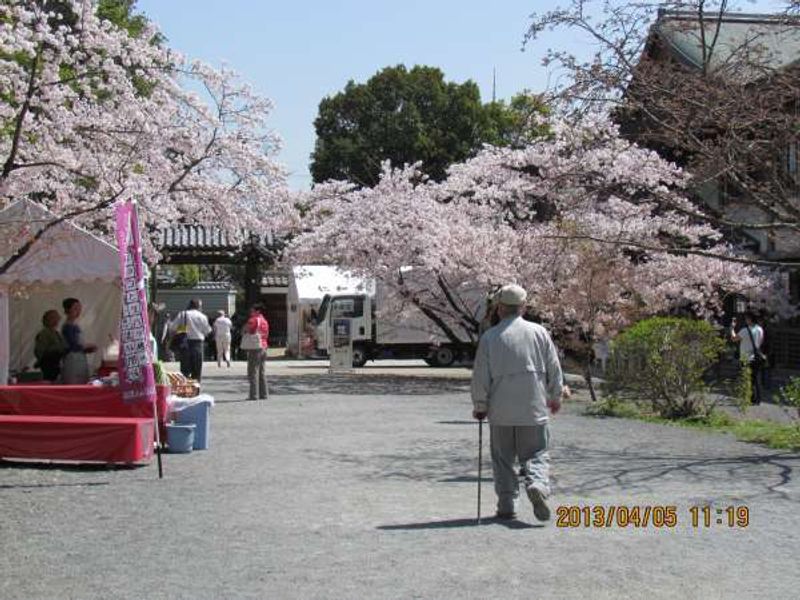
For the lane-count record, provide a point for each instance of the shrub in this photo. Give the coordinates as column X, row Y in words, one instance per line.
column 790, row 394
column 661, row 361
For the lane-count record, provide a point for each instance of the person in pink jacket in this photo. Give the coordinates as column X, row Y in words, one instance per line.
column 256, row 359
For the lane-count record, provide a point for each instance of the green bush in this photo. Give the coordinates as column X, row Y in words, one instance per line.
column 790, row 394
column 661, row 361
column 188, row 275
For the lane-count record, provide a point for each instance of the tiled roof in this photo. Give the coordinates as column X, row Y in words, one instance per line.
column 201, row 285
column 214, row 285
column 275, row 279
column 774, row 40
column 200, row 237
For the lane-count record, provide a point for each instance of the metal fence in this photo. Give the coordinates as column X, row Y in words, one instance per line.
column 783, row 346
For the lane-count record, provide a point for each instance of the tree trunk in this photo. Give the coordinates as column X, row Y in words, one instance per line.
column 587, row 376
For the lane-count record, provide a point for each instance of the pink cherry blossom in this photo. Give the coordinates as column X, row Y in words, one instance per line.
column 91, row 115
column 595, row 228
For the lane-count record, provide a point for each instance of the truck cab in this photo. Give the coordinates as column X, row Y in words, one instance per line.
column 381, row 336
column 359, row 309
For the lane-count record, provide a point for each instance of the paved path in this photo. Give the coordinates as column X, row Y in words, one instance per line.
column 364, row 486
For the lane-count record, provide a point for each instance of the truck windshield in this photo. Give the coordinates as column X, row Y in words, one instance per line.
column 323, row 308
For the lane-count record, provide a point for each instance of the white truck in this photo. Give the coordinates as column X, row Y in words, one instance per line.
column 308, row 285
column 376, row 335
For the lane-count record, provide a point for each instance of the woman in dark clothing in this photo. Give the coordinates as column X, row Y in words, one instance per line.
column 50, row 347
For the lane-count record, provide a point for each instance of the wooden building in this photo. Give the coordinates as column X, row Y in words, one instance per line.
column 257, row 253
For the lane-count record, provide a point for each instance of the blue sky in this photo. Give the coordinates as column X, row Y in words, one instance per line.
column 296, row 53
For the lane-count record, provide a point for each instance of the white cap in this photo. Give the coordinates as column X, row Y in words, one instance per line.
column 512, row 295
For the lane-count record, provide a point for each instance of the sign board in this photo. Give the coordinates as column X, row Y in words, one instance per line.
column 341, row 350
column 135, row 362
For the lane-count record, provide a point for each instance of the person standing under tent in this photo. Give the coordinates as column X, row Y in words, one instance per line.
column 50, row 347
column 516, row 378
column 75, row 366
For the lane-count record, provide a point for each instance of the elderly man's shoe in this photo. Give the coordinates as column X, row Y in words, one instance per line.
column 505, row 516
column 537, row 497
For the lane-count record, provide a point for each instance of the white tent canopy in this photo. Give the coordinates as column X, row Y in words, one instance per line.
column 66, row 261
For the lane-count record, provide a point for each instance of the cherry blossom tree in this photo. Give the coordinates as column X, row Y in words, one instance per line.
column 91, row 114
column 701, row 84
column 575, row 218
column 427, row 256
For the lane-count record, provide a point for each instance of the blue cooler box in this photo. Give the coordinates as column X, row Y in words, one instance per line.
column 180, row 438
column 199, row 415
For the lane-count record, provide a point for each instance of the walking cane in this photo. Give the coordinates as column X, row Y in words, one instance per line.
column 480, row 465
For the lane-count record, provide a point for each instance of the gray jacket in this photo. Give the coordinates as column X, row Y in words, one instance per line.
column 516, row 371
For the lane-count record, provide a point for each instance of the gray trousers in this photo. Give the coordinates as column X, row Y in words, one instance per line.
column 257, row 374
column 529, row 445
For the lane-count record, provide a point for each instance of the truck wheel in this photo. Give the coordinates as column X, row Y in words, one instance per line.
column 359, row 356
column 443, row 356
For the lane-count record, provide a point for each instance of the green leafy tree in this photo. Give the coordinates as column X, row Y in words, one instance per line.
column 661, row 361
column 187, row 275
column 121, row 13
column 407, row 116
column 517, row 123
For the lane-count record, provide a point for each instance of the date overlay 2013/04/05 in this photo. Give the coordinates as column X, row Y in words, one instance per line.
column 666, row 516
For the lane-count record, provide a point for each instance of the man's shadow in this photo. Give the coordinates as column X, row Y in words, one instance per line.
column 456, row 523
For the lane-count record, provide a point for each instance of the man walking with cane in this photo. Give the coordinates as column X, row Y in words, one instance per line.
column 515, row 379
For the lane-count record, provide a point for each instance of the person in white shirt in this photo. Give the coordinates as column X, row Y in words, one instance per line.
column 750, row 338
column 222, row 338
column 196, row 326
column 516, row 378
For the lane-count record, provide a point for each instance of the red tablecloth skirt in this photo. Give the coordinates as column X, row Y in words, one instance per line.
column 77, row 401
column 105, row 439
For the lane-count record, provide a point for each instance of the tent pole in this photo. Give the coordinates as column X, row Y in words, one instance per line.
column 158, row 438
column 154, row 283
column 5, row 342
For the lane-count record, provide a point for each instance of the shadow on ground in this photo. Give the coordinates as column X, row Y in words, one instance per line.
column 354, row 385
column 80, row 467
column 456, row 523
column 636, row 472
column 583, row 470
column 52, row 485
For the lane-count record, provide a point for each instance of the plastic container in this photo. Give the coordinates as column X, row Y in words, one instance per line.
column 180, row 438
column 199, row 415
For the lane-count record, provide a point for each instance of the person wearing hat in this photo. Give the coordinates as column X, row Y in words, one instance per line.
column 516, row 378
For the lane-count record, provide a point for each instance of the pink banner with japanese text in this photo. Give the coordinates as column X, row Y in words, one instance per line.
column 135, row 363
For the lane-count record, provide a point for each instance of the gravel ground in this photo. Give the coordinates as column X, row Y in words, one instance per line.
column 364, row 486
